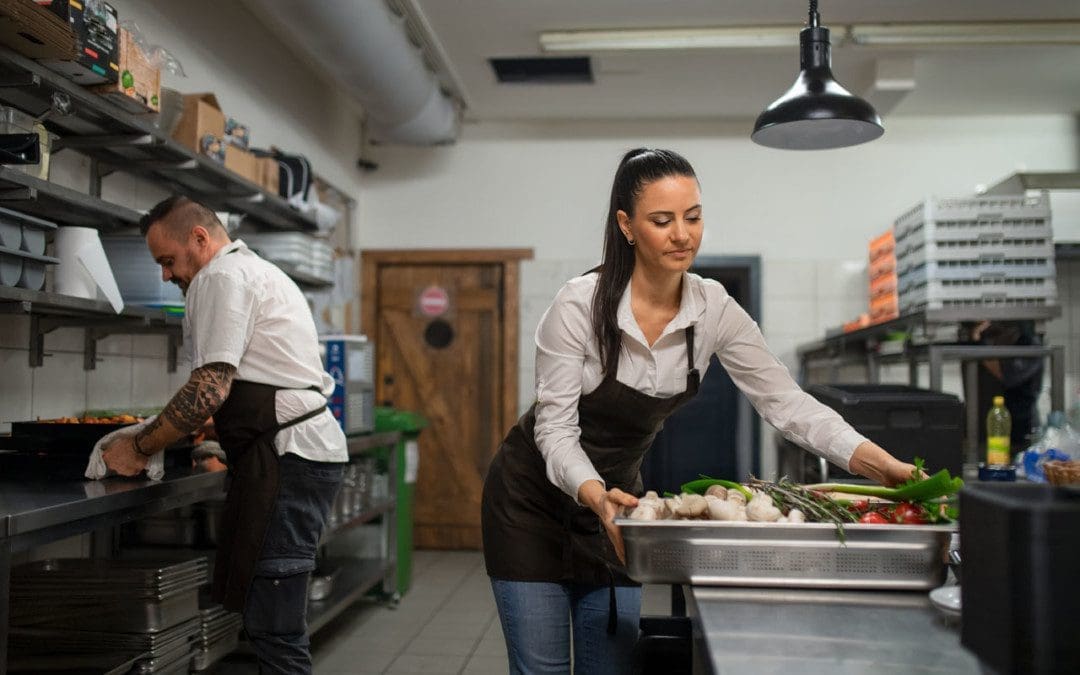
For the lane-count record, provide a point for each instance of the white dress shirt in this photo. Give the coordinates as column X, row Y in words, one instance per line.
column 568, row 366
column 244, row 311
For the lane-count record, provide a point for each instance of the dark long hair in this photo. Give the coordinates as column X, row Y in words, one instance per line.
column 638, row 168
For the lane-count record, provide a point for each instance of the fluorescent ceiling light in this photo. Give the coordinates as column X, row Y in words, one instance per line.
column 744, row 37
column 758, row 37
column 963, row 34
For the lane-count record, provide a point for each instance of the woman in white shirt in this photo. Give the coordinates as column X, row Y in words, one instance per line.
column 618, row 351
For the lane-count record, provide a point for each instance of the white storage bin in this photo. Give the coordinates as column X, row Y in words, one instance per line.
column 974, row 270
column 1007, row 291
column 22, row 269
column 138, row 275
column 24, row 232
column 923, row 252
column 1009, row 217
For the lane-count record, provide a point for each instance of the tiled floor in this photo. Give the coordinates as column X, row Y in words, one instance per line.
column 446, row 623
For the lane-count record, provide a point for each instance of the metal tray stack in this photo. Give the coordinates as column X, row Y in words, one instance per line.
column 805, row 555
column 219, row 634
column 146, row 609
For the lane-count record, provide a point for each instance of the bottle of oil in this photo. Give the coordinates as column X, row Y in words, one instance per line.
column 998, row 431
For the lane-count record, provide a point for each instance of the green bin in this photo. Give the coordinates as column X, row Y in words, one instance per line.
column 409, row 424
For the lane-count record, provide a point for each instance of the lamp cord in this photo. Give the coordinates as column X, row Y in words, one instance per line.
column 815, row 19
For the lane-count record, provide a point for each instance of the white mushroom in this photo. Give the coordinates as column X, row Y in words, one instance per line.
column 717, row 491
column 692, row 506
column 726, row 510
column 761, row 509
column 796, row 516
column 671, row 504
column 736, row 496
column 644, row 512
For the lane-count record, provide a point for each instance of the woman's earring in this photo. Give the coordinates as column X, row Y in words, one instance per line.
column 630, row 241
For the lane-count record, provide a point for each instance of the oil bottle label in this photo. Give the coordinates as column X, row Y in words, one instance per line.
column 997, row 450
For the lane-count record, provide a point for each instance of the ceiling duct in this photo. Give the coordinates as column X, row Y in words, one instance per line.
column 366, row 48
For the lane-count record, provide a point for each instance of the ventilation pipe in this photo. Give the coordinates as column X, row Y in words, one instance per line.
column 364, row 46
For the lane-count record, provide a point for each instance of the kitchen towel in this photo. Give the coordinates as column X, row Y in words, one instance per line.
column 96, row 469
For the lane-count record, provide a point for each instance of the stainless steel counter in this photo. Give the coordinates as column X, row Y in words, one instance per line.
column 37, row 511
column 751, row 630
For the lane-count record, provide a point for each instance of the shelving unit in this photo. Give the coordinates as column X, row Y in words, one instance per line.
column 863, row 347
column 120, row 141
column 49, row 311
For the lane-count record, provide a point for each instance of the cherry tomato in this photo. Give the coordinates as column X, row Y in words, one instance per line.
column 861, row 506
column 907, row 513
column 874, row 518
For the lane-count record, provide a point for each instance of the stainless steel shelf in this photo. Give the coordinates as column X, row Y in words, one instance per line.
column 365, row 516
column 359, row 444
column 24, row 301
column 56, row 203
column 356, row 577
column 133, row 144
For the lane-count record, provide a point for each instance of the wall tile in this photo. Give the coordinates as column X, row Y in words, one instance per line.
column 151, row 383
column 59, row 386
column 14, row 331
column 842, row 278
column 791, row 317
column 156, row 346
column 789, row 279
column 109, row 384
column 115, row 345
column 65, row 340
column 15, row 388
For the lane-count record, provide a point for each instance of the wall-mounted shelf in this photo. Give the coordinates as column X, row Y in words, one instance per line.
column 49, row 311
column 119, row 141
column 61, row 205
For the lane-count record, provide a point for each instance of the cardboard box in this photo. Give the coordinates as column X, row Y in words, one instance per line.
column 96, row 29
column 138, row 90
column 242, row 162
column 202, row 116
column 269, row 173
column 35, row 31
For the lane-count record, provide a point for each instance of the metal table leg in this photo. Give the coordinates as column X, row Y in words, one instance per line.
column 1057, row 378
column 5, row 600
column 971, row 410
column 935, row 357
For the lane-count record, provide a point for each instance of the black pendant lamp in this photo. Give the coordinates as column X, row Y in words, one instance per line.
column 816, row 113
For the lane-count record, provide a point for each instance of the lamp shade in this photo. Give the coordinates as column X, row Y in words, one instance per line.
column 816, row 113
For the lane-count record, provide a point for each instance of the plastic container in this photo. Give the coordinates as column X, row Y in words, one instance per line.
column 410, row 424
column 987, row 292
column 23, row 232
column 906, row 421
column 1021, row 547
column 22, row 269
column 138, row 276
column 974, row 218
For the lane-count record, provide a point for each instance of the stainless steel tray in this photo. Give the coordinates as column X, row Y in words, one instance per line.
column 804, row 555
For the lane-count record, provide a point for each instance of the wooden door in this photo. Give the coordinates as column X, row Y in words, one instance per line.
column 443, row 348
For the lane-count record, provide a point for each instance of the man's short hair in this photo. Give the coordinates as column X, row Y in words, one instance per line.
column 179, row 214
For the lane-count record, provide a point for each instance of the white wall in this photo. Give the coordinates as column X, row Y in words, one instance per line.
column 808, row 215
column 285, row 103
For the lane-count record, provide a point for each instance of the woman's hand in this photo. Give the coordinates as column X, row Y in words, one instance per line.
column 607, row 504
column 871, row 460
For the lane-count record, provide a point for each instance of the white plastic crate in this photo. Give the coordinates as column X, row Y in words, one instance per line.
column 138, row 276
column 1004, row 291
column 974, row 270
column 967, row 218
column 986, row 251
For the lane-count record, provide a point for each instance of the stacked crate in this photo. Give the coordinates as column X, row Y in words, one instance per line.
column 884, row 300
column 976, row 252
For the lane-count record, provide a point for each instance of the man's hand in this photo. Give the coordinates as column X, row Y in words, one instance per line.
column 871, row 460
column 121, row 456
column 607, row 504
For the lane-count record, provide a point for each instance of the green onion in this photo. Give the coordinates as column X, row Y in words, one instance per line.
column 702, row 484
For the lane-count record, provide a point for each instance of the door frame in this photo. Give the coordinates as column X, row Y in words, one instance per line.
column 372, row 260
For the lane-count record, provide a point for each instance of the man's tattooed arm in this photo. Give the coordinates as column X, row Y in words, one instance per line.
column 197, row 400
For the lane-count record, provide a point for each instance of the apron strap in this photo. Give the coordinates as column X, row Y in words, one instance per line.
column 692, row 373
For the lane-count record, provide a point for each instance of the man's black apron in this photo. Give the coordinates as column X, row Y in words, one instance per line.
column 532, row 530
column 246, row 424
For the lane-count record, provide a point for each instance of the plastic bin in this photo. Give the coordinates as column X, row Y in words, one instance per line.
column 410, row 425
column 906, row 421
column 1020, row 545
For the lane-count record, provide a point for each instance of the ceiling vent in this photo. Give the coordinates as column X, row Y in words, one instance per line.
column 543, row 70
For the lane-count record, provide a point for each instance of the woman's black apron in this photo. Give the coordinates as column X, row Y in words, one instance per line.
column 532, row 530
column 246, row 424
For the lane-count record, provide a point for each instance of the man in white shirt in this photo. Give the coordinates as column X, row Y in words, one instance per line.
column 256, row 369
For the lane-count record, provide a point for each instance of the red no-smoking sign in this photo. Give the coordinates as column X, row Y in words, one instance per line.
column 434, row 301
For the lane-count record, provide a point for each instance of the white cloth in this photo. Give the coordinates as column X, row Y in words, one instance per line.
column 96, row 469
column 568, row 366
column 244, row 311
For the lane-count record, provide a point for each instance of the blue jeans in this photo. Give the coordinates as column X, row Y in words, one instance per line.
column 536, row 620
column 275, row 615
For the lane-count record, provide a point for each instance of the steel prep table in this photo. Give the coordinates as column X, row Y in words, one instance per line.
column 827, row 632
column 36, row 512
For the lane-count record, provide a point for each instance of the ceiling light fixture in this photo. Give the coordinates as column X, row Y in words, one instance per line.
column 958, row 34
column 816, row 113
column 740, row 37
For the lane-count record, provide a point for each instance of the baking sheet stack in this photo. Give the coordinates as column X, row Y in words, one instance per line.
column 147, row 611
column 219, row 634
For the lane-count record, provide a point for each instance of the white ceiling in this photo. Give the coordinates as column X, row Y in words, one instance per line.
column 738, row 83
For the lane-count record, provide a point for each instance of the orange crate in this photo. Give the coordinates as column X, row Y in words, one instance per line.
column 886, row 283
column 882, row 245
column 886, row 264
column 884, row 307
column 855, row 324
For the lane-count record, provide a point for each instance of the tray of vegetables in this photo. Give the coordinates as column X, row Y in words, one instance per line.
column 781, row 534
